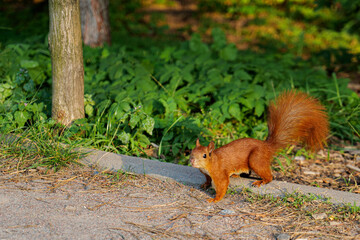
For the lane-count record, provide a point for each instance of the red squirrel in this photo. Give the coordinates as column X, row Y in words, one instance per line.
column 292, row 118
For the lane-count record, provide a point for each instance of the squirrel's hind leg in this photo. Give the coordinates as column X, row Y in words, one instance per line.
column 260, row 164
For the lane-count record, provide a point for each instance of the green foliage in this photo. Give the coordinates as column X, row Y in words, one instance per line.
column 349, row 9
column 24, row 77
column 326, row 29
column 168, row 95
column 17, row 99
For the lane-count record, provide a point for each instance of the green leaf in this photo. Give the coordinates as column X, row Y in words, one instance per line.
column 118, row 73
column 134, row 119
column 6, row 86
column 166, row 54
column 117, row 111
column 21, row 117
column 214, row 75
column 229, row 53
column 40, row 106
column 5, row 94
column 219, row 39
column 9, row 116
column 105, row 53
column 42, row 116
column 29, row 86
column 249, row 103
column 29, row 64
column 170, row 105
column 259, row 91
column 124, row 137
column 196, row 44
column 33, row 107
column 227, row 78
column 168, row 136
column 149, row 124
column 143, row 139
column 37, row 74
column 130, row 70
column 234, row 111
column 124, row 106
column 89, row 110
column 186, row 73
column 259, row 108
column 242, row 75
column 225, row 110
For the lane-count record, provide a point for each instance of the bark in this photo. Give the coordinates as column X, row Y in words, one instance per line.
column 65, row 45
column 95, row 25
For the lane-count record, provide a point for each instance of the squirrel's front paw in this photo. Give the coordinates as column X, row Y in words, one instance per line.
column 257, row 183
column 213, row 200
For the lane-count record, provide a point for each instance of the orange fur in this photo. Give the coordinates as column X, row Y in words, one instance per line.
column 293, row 117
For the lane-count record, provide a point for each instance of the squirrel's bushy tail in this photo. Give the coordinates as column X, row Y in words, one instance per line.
column 296, row 117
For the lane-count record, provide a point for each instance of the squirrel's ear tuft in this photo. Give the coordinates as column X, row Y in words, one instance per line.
column 198, row 143
column 211, row 147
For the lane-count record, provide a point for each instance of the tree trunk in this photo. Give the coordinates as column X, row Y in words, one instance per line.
column 95, row 25
column 65, row 45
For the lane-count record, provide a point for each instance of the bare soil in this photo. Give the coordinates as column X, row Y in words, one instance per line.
column 81, row 203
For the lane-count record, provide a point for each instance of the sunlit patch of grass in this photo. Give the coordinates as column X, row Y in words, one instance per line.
column 37, row 146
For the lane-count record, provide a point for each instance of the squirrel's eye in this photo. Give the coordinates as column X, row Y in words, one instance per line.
column 204, row 156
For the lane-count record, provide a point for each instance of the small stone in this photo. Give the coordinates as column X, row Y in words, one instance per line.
column 300, row 159
column 310, row 173
column 226, row 212
column 70, row 208
column 210, row 207
column 283, row 236
column 322, row 153
column 319, row 216
column 335, row 223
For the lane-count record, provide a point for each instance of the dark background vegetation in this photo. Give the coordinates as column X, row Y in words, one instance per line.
column 177, row 70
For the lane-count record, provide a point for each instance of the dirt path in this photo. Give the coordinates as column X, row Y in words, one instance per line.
column 141, row 208
column 83, row 204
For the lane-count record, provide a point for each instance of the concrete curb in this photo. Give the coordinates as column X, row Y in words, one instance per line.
column 192, row 176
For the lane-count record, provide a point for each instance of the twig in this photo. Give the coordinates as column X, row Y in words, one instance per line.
column 98, row 206
column 63, row 182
